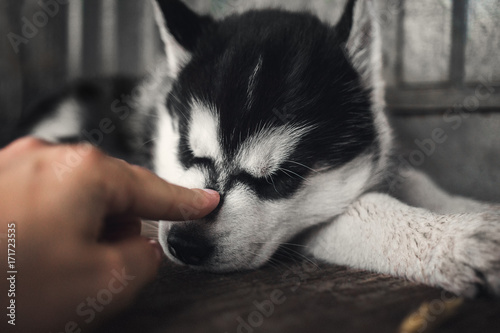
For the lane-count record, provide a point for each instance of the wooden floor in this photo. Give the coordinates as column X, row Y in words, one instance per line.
column 291, row 296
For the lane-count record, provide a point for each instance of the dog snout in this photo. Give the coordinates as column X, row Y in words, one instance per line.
column 189, row 247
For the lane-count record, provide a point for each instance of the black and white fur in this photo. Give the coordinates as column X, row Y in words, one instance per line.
column 284, row 116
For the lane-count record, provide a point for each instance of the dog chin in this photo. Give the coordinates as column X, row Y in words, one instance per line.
column 223, row 266
column 218, row 268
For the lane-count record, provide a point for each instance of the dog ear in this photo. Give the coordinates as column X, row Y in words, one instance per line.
column 344, row 26
column 363, row 41
column 180, row 30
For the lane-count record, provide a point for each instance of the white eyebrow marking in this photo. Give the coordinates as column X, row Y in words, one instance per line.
column 204, row 132
column 262, row 154
column 252, row 83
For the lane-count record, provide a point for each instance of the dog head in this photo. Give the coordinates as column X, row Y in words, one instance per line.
column 269, row 108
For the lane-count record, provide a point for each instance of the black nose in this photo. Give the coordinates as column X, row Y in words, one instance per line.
column 190, row 248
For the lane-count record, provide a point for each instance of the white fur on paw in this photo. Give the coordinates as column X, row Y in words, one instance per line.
column 471, row 257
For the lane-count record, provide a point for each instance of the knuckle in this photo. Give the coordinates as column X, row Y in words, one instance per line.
column 84, row 163
column 90, row 159
column 93, row 156
column 136, row 173
column 29, row 143
column 39, row 167
column 59, row 153
column 75, row 155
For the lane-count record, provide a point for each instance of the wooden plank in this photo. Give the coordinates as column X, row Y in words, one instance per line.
column 312, row 298
column 422, row 101
column 475, row 98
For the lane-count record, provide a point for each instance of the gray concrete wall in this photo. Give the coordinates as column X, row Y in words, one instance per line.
column 467, row 162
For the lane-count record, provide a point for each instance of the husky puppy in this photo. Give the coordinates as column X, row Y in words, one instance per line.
column 283, row 115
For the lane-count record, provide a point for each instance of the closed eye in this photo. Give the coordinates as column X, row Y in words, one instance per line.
column 281, row 184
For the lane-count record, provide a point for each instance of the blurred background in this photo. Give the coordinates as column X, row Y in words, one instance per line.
column 441, row 65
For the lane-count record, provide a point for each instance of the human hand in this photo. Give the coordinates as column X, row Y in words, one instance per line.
column 79, row 254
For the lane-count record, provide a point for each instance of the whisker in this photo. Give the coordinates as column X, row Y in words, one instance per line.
column 281, row 243
column 296, row 174
column 177, row 99
column 149, row 141
column 301, row 256
column 302, row 165
column 274, row 185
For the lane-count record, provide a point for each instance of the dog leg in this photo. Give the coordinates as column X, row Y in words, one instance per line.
column 459, row 252
column 416, row 189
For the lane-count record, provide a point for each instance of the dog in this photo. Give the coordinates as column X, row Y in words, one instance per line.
column 284, row 116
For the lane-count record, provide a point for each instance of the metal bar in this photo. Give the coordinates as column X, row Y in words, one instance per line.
column 400, row 44
column 10, row 72
column 92, row 19
column 136, row 36
column 75, row 39
column 458, row 42
column 129, row 37
column 45, row 51
column 108, row 37
column 471, row 97
column 100, row 37
column 149, row 31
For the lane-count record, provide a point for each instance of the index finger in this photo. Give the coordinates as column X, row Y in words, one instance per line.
column 134, row 190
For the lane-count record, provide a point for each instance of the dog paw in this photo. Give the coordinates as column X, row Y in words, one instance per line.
column 471, row 265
